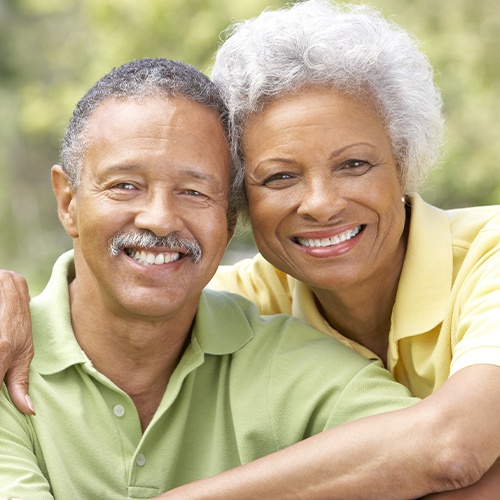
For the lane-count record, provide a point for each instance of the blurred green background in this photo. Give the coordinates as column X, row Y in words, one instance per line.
column 52, row 51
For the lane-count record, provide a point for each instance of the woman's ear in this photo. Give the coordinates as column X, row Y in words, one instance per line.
column 66, row 200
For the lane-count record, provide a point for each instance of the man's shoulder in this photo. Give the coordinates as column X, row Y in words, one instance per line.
column 278, row 335
column 298, row 380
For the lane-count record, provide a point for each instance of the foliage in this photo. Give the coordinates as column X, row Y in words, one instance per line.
column 52, row 51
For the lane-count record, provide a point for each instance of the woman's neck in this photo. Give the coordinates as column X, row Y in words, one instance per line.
column 363, row 311
column 366, row 322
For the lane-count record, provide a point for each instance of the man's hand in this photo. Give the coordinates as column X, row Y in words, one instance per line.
column 16, row 343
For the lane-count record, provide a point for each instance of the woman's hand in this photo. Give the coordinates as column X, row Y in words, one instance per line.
column 16, row 343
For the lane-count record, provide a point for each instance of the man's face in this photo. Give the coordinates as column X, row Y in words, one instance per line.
column 156, row 167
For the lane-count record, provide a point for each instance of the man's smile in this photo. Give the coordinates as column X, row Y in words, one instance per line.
column 150, row 259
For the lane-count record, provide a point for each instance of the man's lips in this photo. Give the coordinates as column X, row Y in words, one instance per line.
column 329, row 241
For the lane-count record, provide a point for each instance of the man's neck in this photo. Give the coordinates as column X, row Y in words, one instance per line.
column 137, row 354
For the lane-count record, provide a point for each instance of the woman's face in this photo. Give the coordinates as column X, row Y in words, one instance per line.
column 324, row 190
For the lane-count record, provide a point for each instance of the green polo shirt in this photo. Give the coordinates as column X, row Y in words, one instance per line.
column 245, row 387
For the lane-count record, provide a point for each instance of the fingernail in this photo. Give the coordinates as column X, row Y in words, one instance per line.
column 30, row 404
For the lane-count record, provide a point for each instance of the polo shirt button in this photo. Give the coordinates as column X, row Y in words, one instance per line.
column 140, row 460
column 118, row 410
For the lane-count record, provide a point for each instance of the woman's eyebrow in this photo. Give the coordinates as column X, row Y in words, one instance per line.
column 339, row 151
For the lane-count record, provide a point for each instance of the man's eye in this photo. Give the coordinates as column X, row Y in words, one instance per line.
column 123, row 185
column 194, row 194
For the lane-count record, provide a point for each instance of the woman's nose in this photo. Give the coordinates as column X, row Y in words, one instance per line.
column 321, row 200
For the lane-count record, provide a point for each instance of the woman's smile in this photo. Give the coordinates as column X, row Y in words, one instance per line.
column 321, row 241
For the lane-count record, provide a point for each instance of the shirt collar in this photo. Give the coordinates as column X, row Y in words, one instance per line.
column 222, row 324
column 55, row 344
column 425, row 282
column 220, row 327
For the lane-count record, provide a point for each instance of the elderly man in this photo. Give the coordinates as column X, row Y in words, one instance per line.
column 143, row 381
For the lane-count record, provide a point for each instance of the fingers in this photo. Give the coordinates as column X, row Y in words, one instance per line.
column 17, row 380
column 15, row 319
column 16, row 343
column 6, row 353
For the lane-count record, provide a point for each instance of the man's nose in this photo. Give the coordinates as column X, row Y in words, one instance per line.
column 160, row 214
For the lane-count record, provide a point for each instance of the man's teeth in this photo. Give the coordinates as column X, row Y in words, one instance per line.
column 150, row 259
column 334, row 240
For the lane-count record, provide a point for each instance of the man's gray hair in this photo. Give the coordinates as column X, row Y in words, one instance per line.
column 347, row 47
column 140, row 79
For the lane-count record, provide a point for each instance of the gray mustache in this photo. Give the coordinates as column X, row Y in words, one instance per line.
column 147, row 239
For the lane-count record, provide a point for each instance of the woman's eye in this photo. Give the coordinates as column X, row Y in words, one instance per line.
column 356, row 167
column 281, row 179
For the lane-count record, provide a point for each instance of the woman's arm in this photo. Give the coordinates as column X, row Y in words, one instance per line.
column 16, row 351
column 445, row 442
column 487, row 488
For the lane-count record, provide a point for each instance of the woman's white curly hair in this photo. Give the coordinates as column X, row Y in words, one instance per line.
column 347, row 47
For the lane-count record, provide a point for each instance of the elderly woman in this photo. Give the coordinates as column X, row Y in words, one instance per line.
column 336, row 123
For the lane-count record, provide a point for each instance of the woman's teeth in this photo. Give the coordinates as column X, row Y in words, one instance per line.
column 326, row 242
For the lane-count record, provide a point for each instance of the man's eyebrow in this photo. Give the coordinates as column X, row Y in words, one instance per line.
column 126, row 167
column 186, row 172
column 202, row 176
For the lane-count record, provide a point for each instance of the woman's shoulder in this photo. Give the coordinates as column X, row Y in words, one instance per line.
column 466, row 225
column 475, row 225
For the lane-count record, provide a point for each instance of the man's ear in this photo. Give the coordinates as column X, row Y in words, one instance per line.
column 66, row 200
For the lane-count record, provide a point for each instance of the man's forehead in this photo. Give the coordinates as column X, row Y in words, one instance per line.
column 113, row 109
column 128, row 133
column 142, row 100
column 118, row 112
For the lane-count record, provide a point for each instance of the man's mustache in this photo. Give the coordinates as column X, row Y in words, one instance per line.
column 147, row 239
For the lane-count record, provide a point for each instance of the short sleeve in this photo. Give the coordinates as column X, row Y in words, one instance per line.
column 476, row 332
column 20, row 474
